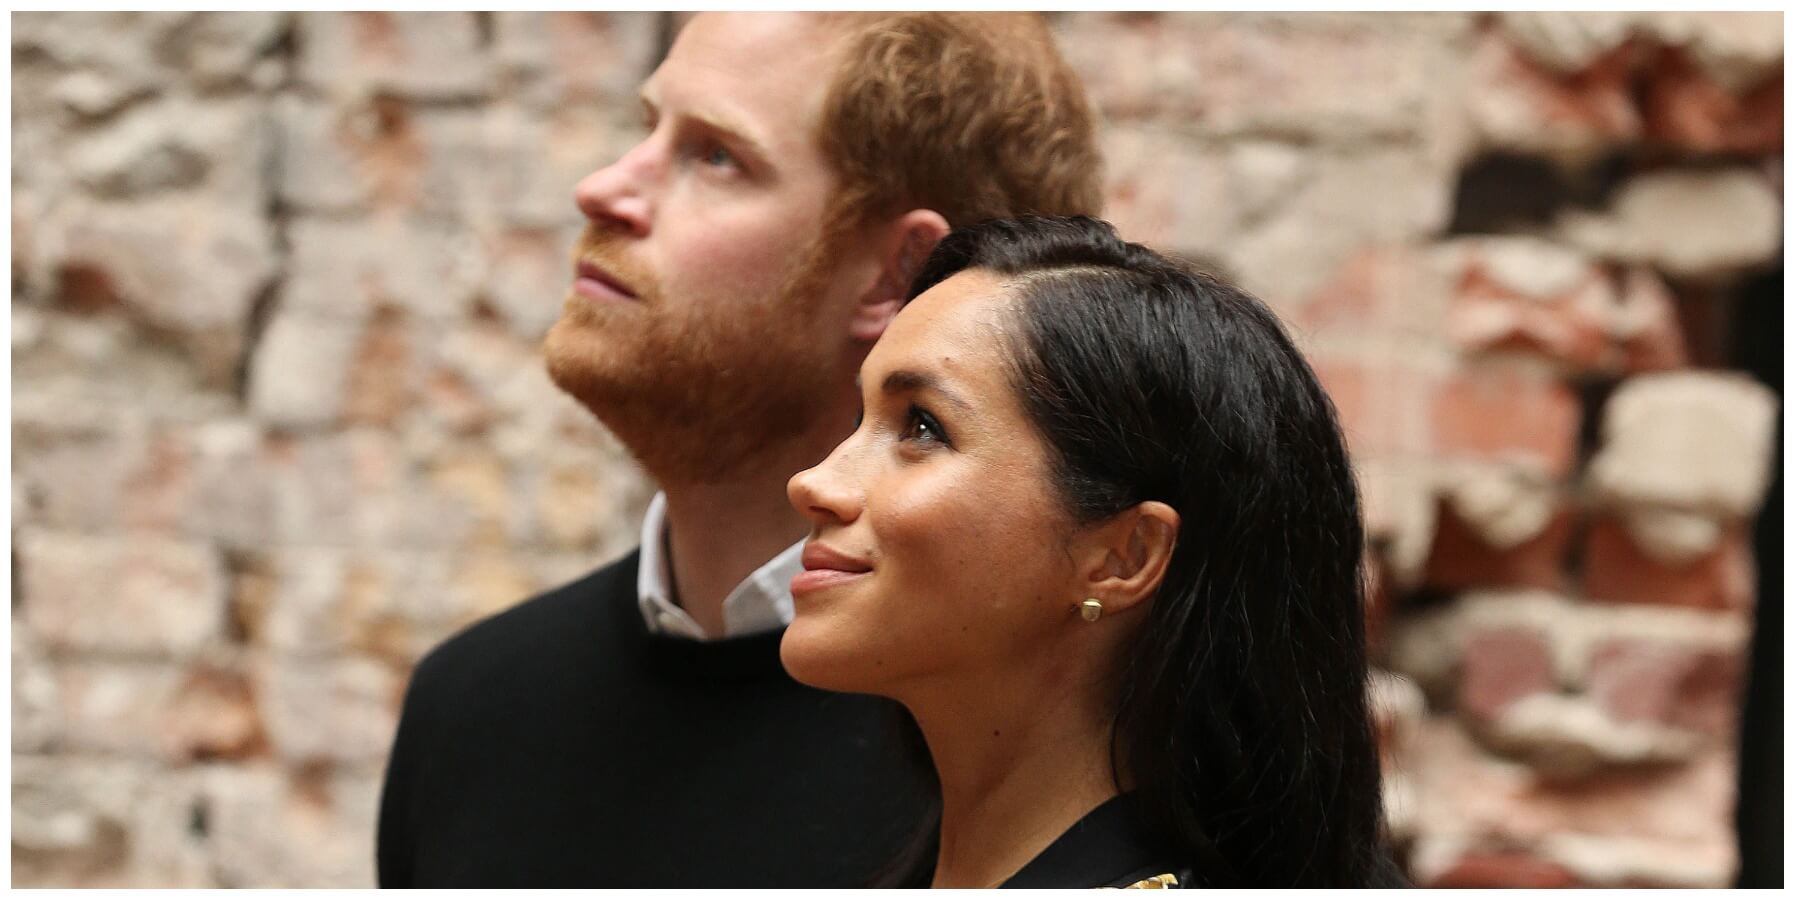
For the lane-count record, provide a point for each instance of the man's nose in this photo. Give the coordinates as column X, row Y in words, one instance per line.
column 620, row 195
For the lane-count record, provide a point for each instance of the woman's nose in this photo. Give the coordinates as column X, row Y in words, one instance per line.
column 827, row 494
column 620, row 195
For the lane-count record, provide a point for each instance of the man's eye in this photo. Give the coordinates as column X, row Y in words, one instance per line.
column 716, row 155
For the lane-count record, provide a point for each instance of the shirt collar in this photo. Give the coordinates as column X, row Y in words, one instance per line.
column 759, row 603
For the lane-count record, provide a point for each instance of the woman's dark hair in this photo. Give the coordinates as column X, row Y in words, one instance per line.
column 1242, row 723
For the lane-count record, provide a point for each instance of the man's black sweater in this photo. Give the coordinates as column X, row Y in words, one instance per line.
column 560, row 743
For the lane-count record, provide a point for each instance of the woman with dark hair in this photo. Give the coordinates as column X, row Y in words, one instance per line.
column 1097, row 532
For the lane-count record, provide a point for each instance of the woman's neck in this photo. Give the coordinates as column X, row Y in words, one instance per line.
column 1016, row 773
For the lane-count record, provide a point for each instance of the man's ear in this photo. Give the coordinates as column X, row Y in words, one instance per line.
column 1129, row 555
column 904, row 244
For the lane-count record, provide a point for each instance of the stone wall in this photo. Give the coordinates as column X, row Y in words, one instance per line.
column 279, row 422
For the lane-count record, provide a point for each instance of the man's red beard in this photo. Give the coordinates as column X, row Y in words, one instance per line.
column 698, row 394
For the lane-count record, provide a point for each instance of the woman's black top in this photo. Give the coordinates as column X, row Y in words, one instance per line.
column 1105, row 848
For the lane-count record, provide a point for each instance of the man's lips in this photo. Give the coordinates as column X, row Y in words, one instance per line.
column 593, row 282
column 825, row 568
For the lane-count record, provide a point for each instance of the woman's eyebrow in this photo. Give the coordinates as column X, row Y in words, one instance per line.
column 902, row 380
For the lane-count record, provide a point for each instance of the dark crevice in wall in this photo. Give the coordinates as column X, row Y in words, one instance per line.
column 484, row 29
column 1756, row 347
column 1591, row 394
column 285, row 49
column 1502, row 193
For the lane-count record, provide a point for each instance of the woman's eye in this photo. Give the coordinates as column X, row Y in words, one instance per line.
column 921, row 426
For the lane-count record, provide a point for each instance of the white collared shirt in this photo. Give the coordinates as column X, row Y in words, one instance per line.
column 759, row 603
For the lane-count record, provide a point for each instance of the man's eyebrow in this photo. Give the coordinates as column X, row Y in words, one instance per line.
column 722, row 123
column 902, row 380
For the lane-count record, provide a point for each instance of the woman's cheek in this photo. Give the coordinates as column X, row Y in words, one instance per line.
column 959, row 573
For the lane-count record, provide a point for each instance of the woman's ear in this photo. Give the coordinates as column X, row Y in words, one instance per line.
column 1131, row 554
column 905, row 244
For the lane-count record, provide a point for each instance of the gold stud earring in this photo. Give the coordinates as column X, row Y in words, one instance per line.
column 1091, row 609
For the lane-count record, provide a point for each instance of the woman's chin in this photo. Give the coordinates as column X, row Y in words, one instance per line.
column 812, row 657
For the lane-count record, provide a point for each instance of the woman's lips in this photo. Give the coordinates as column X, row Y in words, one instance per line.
column 825, row 568
column 819, row 579
column 593, row 282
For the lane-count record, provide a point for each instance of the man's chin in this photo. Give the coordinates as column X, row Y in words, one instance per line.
column 579, row 361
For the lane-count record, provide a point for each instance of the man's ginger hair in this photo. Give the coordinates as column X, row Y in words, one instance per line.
column 974, row 115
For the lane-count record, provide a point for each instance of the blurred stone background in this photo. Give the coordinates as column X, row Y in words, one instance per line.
column 280, row 423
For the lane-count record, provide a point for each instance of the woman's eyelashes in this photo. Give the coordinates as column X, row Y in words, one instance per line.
column 918, row 426
column 923, row 427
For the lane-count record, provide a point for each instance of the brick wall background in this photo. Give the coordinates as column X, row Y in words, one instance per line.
column 279, row 422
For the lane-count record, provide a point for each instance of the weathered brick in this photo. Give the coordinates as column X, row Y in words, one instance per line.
column 1226, row 73
column 338, row 710
column 1615, row 569
column 568, row 501
column 1198, row 218
column 90, row 376
column 1567, row 42
column 213, row 715
column 1521, row 294
column 232, row 502
column 119, row 46
column 435, row 56
column 1662, row 826
column 1397, row 290
column 1517, row 104
column 185, row 267
column 143, row 594
column 1739, row 50
column 348, row 157
column 1501, row 667
column 326, row 601
column 488, row 580
column 300, row 368
column 87, row 821
column 1351, row 199
column 78, row 484
column 1400, row 515
column 286, row 828
column 1695, row 441
column 349, row 270
column 1495, row 869
column 1687, row 108
column 346, row 488
column 1398, row 708
column 1510, row 414
column 1685, row 222
column 110, row 708
column 528, row 275
column 1647, row 324
column 1504, row 506
column 1379, row 403
column 570, row 55
column 1462, row 557
column 219, row 50
column 1695, row 688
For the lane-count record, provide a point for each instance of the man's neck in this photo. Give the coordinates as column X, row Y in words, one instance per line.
column 720, row 533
